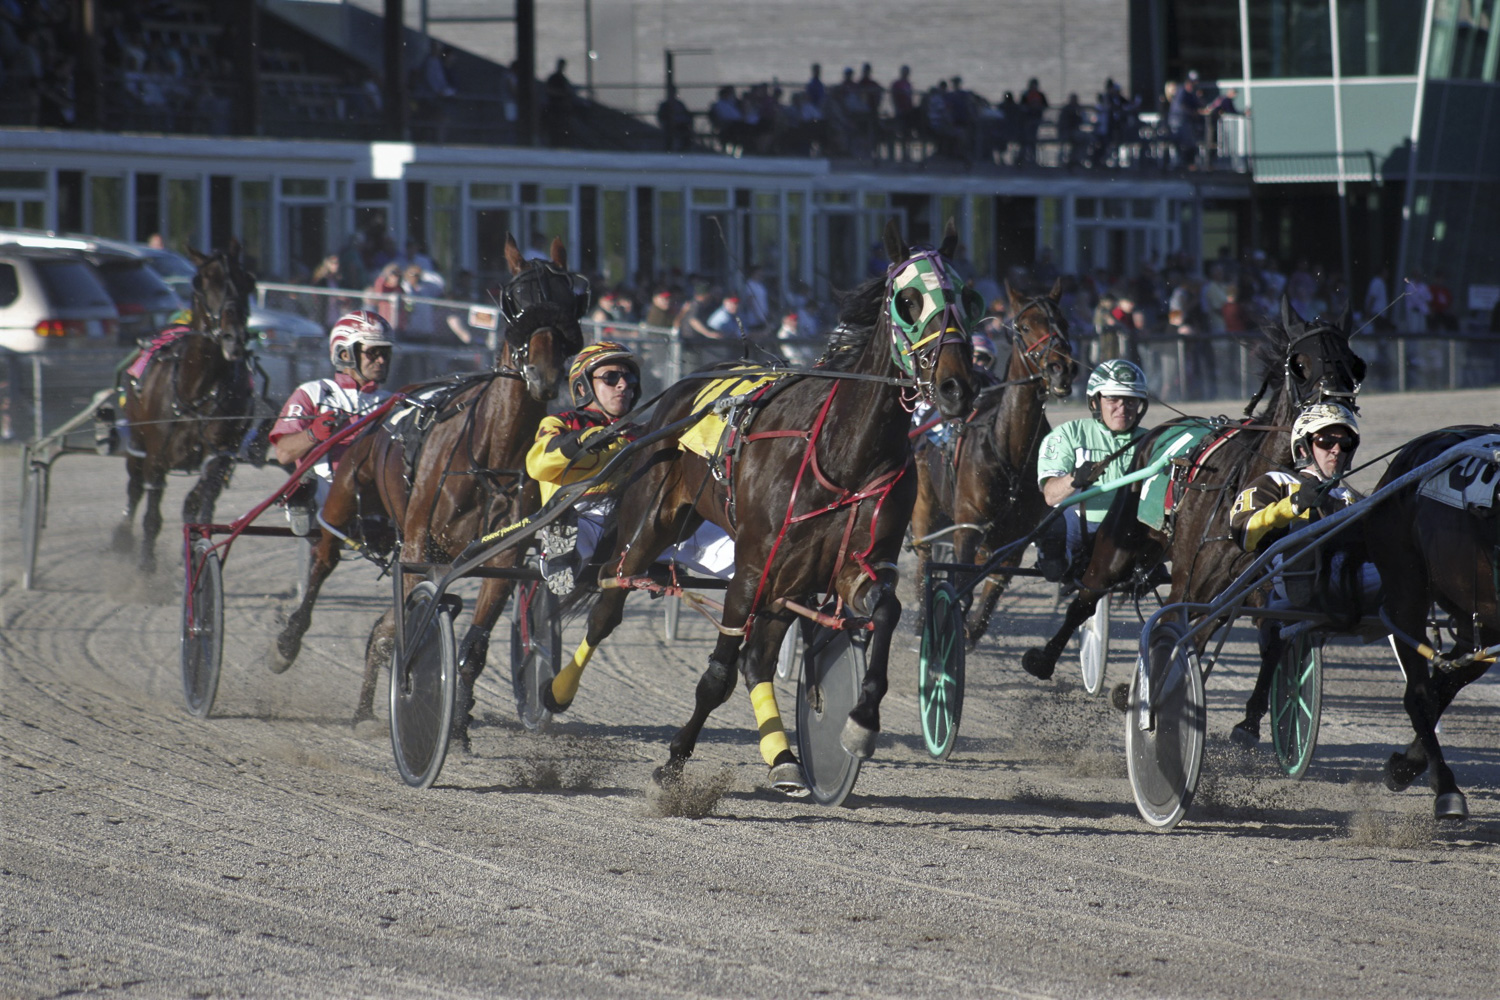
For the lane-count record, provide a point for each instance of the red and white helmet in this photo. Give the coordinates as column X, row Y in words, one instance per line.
column 361, row 328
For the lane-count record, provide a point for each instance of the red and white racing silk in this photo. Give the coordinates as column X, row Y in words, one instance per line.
column 343, row 394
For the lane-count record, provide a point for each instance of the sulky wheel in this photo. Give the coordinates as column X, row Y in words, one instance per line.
column 1164, row 760
column 423, row 682
column 1296, row 703
column 535, row 651
column 827, row 691
column 33, row 509
column 940, row 670
column 1093, row 646
column 671, row 615
column 202, row 627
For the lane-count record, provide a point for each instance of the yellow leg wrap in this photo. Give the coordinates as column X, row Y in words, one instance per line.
column 768, row 719
column 565, row 684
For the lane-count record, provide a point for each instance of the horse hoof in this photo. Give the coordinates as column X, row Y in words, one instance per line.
column 551, row 704
column 363, row 714
column 1245, row 734
column 787, row 779
column 148, row 565
column 1120, row 697
column 1036, row 663
column 278, row 662
column 1400, row 772
column 858, row 741
column 667, row 774
column 1451, row 805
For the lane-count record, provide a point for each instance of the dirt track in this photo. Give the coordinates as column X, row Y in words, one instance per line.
column 271, row 850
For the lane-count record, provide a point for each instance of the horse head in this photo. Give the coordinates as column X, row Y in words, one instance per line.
column 1320, row 366
column 1039, row 341
column 929, row 311
column 542, row 306
column 221, row 298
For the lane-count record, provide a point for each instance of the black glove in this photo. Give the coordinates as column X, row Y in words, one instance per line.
column 1306, row 499
column 326, row 424
column 1084, row 476
column 599, row 441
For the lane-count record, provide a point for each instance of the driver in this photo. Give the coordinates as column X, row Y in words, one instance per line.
column 1079, row 453
column 942, row 432
column 1276, row 503
column 359, row 345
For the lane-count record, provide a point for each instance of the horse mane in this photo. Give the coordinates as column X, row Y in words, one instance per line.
column 860, row 312
column 1268, row 357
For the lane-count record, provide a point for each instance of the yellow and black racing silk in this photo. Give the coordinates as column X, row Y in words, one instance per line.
column 561, row 456
column 1263, row 512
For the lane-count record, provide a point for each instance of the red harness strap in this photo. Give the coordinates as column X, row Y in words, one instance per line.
column 879, row 487
column 1170, row 499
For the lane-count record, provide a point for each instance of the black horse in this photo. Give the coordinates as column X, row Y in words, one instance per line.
column 1303, row 363
column 988, row 479
column 818, row 497
column 1430, row 552
column 191, row 407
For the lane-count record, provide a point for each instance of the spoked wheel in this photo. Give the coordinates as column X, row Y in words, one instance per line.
column 789, row 656
column 202, row 627
column 1165, row 760
column 535, row 651
column 1297, row 703
column 1093, row 648
column 940, row 670
column 422, row 688
column 33, row 506
column 826, row 693
column 671, row 615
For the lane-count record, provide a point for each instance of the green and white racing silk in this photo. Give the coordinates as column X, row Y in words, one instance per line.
column 1068, row 446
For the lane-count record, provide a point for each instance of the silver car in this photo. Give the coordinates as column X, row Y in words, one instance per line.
column 50, row 299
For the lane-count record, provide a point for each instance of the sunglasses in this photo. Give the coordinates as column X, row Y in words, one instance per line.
column 613, row 379
column 374, row 353
column 1327, row 441
column 1123, row 401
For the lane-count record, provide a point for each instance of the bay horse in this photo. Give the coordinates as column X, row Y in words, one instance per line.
column 817, row 496
column 191, row 407
column 1303, row 363
column 986, row 484
column 1429, row 552
column 467, row 470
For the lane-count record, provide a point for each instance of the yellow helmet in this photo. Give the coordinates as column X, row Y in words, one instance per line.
column 596, row 356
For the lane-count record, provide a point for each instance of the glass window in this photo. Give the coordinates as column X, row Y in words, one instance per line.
column 670, row 223
column 1086, row 208
column 1379, row 37
column 34, row 214
column 796, row 207
column 875, row 200
column 1461, row 40
column 372, row 191
column 982, row 230
column 491, row 192
column 710, row 196
column 1049, row 211
column 23, row 180
column 72, row 282
column 833, row 198
column 949, row 207
column 1290, row 38
column 107, row 207
column 10, row 288
column 182, row 213
column 1206, row 39
column 446, row 252
column 557, row 196
column 1142, row 208
column 299, row 187
column 1114, row 208
column 255, row 223
column 614, row 234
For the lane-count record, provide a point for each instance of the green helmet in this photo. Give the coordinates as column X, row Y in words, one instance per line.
column 1118, row 377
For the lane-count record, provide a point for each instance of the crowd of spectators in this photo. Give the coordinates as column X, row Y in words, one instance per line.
column 38, row 71
column 858, row 117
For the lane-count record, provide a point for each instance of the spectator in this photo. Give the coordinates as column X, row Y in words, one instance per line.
column 726, row 320
column 416, row 253
column 1378, row 302
column 938, row 110
column 728, row 120
column 903, row 106
column 796, row 347
column 558, row 93
column 1185, row 121
column 814, row 89
column 676, row 122
column 662, row 313
column 1232, row 314
column 418, row 321
column 1214, row 298
column 1070, row 132
column 1418, row 303
column 1441, row 319
column 1033, row 105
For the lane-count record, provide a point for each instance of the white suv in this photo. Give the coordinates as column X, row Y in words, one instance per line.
column 48, row 299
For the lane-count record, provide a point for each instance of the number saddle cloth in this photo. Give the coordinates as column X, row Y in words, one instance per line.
column 1468, row 484
column 1188, row 443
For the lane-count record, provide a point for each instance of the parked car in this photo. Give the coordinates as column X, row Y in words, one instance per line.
column 273, row 326
column 52, row 299
column 144, row 302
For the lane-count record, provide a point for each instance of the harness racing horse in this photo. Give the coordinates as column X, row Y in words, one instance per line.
column 1429, row 551
column 190, row 408
column 1304, row 363
column 986, row 483
column 817, row 495
column 467, row 469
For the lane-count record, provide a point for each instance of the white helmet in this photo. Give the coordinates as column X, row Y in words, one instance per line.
column 1118, row 377
column 1319, row 417
column 361, row 328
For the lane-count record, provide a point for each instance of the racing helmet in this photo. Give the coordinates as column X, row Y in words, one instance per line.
column 592, row 357
column 984, row 346
column 1117, row 377
column 359, row 329
column 1320, row 417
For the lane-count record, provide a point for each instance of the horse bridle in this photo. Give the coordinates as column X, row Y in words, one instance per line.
column 1318, row 380
column 570, row 339
column 917, row 355
column 213, row 320
column 1034, row 353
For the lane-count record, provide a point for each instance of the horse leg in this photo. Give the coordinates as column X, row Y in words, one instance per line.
column 757, row 665
column 1041, row 661
column 715, row 686
column 198, row 508
column 286, row 646
column 151, row 521
column 134, row 489
column 1247, row 731
column 877, row 600
column 1420, row 701
column 493, row 596
column 378, row 650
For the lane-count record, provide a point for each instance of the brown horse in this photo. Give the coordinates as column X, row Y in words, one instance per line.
column 817, row 498
column 467, row 471
column 1430, row 552
column 986, row 484
column 1304, row 363
column 192, row 406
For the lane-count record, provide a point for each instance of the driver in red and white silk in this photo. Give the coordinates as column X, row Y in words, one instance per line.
column 359, row 345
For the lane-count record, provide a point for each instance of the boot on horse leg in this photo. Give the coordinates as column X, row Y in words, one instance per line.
column 877, row 600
